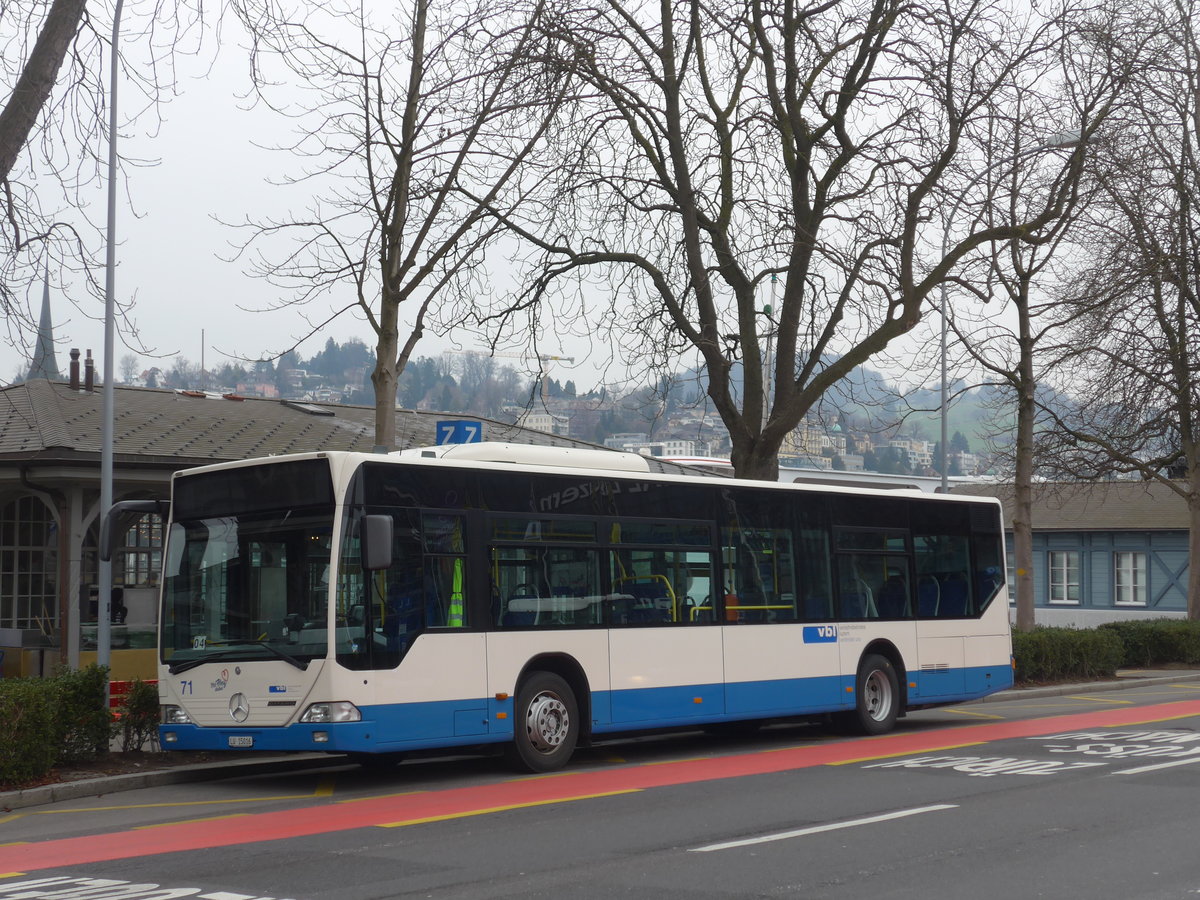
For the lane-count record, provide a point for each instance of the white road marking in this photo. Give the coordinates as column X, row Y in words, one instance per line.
column 818, row 829
column 1166, row 765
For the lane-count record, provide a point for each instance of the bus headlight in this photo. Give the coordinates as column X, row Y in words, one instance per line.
column 337, row 711
column 174, row 715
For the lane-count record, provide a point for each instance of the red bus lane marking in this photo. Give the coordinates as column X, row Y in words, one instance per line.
column 411, row 809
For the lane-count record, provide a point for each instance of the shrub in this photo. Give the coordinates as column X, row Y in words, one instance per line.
column 1152, row 642
column 28, row 729
column 139, row 716
column 84, row 725
column 45, row 722
column 1057, row 654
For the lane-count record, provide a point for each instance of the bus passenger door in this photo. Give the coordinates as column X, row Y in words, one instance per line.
column 665, row 654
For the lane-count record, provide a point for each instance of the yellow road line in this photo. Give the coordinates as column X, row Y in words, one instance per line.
column 381, row 796
column 671, row 762
column 910, row 752
column 496, row 809
column 1101, row 700
column 10, row 874
column 190, row 821
column 1153, row 721
column 10, row 818
column 324, row 788
column 970, row 712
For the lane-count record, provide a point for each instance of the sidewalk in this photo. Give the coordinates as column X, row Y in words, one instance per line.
column 1126, row 679
column 267, row 764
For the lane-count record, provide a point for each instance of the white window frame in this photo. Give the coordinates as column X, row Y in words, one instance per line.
column 141, row 555
column 28, row 565
column 1061, row 565
column 1130, row 576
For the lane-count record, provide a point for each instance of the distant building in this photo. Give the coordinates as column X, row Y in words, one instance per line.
column 1103, row 551
column 263, row 389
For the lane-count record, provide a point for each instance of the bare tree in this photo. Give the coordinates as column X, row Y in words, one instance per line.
column 1134, row 375
column 415, row 127
column 53, row 131
column 723, row 143
column 1031, row 333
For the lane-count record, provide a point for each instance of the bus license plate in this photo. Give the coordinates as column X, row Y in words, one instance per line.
column 241, row 740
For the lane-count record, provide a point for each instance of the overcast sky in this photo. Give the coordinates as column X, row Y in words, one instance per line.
column 170, row 258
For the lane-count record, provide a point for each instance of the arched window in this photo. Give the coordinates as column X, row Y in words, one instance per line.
column 28, row 566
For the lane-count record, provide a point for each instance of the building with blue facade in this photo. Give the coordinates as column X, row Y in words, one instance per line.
column 1103, row 551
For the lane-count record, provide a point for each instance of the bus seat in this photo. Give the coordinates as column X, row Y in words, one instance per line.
column 928, row 594
column 519, row 618
column 893, row 598
column 858, row 604
column 955, row 596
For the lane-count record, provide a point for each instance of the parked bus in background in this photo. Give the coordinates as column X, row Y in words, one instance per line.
column 537, row 598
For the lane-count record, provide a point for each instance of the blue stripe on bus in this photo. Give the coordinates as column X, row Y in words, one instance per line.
column 458, row 723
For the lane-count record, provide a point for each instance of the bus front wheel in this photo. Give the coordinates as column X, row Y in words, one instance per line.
column 877, row 696
column 546, row 726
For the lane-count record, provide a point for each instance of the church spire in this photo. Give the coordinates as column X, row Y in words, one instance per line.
column 44, row 364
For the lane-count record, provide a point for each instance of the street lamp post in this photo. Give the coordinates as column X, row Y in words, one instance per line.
column 104, row 606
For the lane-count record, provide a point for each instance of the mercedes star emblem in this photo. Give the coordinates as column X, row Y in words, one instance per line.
column 239, row 707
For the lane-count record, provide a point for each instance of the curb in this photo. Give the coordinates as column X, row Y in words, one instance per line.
column 1133, row 679
column 112, row 784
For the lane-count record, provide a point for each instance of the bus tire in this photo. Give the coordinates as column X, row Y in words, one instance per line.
column 877, row 696
column 546, row 724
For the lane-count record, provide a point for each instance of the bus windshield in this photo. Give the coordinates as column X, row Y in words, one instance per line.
column 246, row 570
column 247, row 587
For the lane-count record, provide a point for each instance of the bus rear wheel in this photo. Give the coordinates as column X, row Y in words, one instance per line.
column 877, row 697
column 546, row 726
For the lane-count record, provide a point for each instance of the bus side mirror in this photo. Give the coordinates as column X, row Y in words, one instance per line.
column 376, row 536
column 108, row 525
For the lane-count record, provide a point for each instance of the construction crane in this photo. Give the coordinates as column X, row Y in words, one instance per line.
column 542, row 358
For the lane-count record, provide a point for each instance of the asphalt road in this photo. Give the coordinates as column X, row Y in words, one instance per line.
column 1088, row 795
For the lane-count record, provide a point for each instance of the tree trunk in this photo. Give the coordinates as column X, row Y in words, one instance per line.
column 37, row 79
column 1023, row 479
column 752, row 457
column 1193, row 581
column 386, row 375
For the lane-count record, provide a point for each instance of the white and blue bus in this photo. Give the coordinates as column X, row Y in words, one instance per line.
column 538, row 597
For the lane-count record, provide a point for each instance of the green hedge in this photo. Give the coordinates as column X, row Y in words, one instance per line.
column 84, row 725
column 27, row 729
column 46, row 722
column 1154, row 642
column 1060, row 654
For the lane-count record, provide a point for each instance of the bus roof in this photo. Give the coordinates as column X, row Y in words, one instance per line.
column 498, row 456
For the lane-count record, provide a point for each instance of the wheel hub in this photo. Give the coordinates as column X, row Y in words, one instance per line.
column 547, row 722
column 878, row 697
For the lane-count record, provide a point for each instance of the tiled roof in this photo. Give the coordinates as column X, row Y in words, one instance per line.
column 1096, row 506
column 46, row 420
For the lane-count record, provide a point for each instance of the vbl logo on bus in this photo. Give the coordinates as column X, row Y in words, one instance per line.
column 820, row 634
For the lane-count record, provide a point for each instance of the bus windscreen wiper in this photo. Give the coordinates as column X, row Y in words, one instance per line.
column 232, row 651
